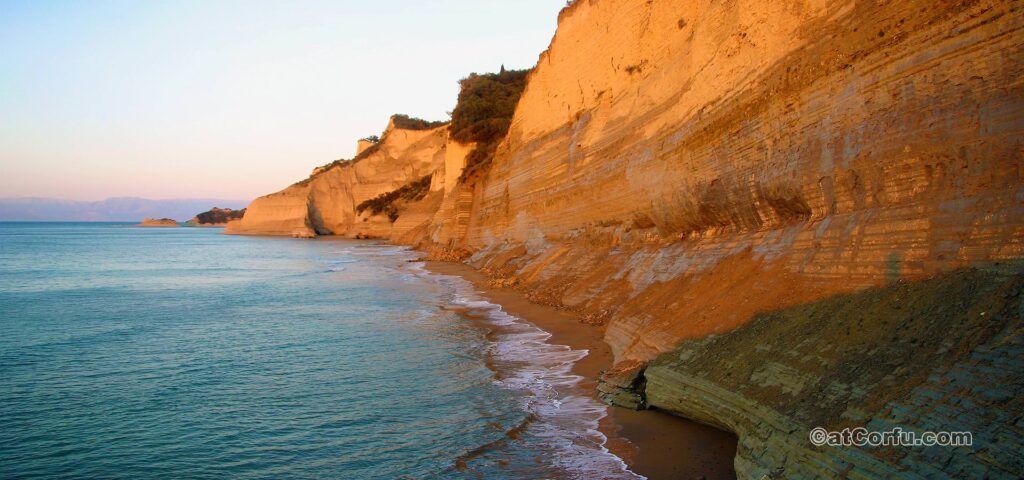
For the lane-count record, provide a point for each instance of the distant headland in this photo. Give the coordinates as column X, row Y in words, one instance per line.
column 117, row 209
column 158, row 222
column 215, row 217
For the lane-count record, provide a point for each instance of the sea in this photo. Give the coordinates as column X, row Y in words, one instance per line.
column 185, row 353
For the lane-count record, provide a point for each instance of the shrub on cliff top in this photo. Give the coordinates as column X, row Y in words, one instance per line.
column 219, row 215
column 385, row 202
column 406, row 122
column 486, row 104
column 484, row 112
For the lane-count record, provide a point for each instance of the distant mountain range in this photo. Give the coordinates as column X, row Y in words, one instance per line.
column 121, row 209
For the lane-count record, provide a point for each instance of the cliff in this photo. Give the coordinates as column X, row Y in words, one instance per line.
column 325, row 203
column 687, row 151
column 940, row 355
column 802, row 214
column 675, row 169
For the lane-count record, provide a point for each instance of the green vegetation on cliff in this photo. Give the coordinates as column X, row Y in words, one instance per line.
column 483, row 114
column 385, row 202
column 217, row 216
column 406, row 122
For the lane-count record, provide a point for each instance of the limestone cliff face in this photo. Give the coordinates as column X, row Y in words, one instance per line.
column 448, row 226
column 325, row 203
column 666, row 156
column 705, row 179
column 675, row 170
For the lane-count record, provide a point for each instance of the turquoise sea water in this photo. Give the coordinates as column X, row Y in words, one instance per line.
column 184, row 353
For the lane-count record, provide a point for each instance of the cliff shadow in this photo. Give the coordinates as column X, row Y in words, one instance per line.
column 942, row 354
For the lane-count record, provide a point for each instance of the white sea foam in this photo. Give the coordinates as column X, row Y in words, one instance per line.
column 566, row 420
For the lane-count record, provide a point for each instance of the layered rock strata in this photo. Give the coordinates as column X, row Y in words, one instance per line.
column 325, row 203
column 741, row 192
column 667, row 154
column 940, row 355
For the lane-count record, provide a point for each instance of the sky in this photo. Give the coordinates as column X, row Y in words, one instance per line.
column 230, row 99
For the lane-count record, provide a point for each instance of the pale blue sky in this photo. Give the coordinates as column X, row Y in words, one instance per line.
column 230, row 99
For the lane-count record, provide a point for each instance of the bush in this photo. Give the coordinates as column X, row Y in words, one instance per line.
column 371, row 138
column 485, row 105
column 385, row 202
column 406, row 122
column 484, row 112
column 219, row 215
column 478, row 160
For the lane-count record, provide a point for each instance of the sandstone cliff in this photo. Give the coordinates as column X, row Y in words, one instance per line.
column 665, row 154
column 716, row 185
column 675, row 169
column 325, row 203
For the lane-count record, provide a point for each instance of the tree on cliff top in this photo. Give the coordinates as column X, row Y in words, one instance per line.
column 484, row 112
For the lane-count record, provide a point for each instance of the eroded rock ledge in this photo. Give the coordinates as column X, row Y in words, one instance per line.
column 943, row 354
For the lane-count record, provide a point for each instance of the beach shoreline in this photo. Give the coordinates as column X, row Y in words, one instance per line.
column 653, row 444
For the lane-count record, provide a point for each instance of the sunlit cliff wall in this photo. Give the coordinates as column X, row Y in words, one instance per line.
column 675, row 167
column 716, row 183
column 325, row 203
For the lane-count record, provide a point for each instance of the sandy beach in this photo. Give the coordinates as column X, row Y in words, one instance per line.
column 654, row 444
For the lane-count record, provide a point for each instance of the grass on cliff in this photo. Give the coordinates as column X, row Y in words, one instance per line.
column 483, row 114
column 386, row 202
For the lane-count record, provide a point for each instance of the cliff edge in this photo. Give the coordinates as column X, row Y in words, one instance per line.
column 326, row 202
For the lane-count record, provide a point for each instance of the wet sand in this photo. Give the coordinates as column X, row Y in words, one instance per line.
column 652, row 443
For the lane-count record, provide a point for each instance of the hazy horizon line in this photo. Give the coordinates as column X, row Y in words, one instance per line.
column 127, row 197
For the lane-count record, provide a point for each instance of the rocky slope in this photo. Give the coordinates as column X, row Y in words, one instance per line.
column 716, row 185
